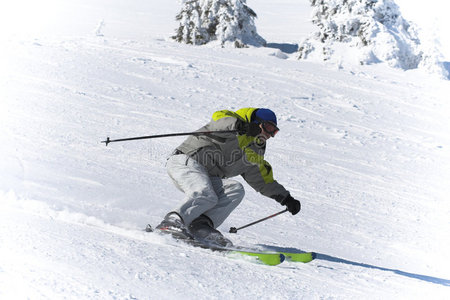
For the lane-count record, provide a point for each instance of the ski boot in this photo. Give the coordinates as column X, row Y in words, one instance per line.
column 174, row 225
column 202, row 229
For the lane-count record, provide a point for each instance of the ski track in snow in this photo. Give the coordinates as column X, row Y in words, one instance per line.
column 366, row 151
column 106, row 261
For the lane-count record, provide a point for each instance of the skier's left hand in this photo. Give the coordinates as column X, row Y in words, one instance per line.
column 250, row 129
column 292, row 205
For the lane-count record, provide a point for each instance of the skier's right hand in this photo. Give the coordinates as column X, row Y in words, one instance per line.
column 292, row 205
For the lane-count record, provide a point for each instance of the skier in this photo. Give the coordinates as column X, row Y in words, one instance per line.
column 202, row 166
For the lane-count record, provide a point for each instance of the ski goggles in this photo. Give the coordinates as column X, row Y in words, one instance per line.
column 270, row 127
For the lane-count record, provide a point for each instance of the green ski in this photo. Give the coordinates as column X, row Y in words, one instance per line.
column 270, row 259
column 299, row 257
column 266, row 257
column 303, row 257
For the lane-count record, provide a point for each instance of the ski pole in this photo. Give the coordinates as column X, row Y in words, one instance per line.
column 235, row 230
column 108, row 140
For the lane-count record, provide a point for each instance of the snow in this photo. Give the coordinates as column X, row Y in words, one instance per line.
column 365, row 148
column 432, row 18
column 226, row 23
column 368, row 32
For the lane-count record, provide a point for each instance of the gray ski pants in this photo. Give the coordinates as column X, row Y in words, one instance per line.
column 212, row 196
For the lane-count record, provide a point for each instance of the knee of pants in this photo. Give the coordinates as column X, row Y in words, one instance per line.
column 236, row 188
column 206, row 195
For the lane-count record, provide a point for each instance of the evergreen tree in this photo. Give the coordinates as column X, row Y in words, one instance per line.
column 374, row 30
column 225, row 21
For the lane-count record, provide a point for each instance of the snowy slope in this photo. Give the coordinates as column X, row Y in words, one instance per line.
column 366, row 150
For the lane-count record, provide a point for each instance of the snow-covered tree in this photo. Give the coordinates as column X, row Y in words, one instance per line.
column 224, row 21
column 368, row 31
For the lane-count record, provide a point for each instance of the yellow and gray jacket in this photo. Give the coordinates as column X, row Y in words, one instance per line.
column 229, row 154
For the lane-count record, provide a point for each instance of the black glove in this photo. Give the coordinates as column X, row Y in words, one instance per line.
column 250, row 129
column 292, row 205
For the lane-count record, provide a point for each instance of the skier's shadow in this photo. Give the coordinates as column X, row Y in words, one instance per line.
column 320, row 256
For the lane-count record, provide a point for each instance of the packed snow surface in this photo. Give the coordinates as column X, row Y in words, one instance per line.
column 366, row 149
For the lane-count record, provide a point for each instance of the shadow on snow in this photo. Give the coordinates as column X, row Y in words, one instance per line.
column 447, row 68
column 286, row 48
column 325, row 257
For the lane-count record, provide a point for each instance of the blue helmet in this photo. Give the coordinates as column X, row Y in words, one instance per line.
column 263, row 115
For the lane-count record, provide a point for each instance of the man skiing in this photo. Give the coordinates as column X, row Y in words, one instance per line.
column 202, row 166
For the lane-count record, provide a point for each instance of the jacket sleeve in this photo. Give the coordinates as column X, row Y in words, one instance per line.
column 228, row 123
column 260, row 178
